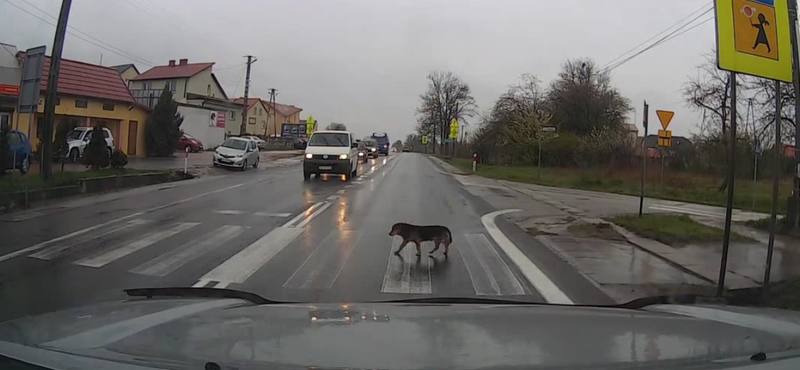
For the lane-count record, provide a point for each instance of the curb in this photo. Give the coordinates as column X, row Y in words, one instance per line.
column 449, row 168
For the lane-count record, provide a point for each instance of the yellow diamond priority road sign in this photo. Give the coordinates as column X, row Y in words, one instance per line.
column 665, row 117
column 753, row 38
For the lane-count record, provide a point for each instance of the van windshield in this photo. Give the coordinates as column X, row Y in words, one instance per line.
column 329, row 139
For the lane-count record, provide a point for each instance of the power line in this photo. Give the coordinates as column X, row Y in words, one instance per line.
column 660, row 41
column 109, row 48
column 656, row 35
column 130, row 56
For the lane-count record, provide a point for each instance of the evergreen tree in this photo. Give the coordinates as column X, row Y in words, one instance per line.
column 5, row 153
column 163, row 127
column 96, row 154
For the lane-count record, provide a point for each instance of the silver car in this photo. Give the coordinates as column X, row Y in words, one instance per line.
column 237, row 152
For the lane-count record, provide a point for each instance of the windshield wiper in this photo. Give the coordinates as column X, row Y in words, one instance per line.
column 199, row 293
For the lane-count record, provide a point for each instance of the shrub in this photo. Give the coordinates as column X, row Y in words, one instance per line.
column 96, row 153
column 118, row 159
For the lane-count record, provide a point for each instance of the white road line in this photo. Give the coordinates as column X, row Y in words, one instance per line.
column 686, row 210
column 348, row 186
column 144, row 242
column 173, row 260
column 229, row 212
column 316, row 213
column 302, row 214
column 493, row 264
column 57, row 249
column 333, row 197
column 243, row 264
column 549, row 290
column 323, row 265
column 201, row 283
column 104, row 224
column 408, row 274
column 341, row 191
column 267, row 214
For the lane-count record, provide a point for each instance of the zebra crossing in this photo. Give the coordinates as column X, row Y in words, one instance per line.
column 181, row 243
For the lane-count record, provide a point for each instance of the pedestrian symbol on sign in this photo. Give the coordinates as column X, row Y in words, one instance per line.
column 754, row 28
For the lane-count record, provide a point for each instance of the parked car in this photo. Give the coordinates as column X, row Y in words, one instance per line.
column 331, row 152
column 259, row 141
column 187, row 140
column 236, row 152
column 78, row 140
column 19, row 153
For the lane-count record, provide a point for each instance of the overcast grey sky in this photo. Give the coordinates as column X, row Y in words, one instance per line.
column 364, row 62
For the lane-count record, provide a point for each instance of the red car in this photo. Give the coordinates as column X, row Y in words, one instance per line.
column 193, row 144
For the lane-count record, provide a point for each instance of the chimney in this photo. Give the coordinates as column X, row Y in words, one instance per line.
column 172, row 63
column 184, row 62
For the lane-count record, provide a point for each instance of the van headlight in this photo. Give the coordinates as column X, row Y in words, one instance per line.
column 344, row 156
column 309, row 156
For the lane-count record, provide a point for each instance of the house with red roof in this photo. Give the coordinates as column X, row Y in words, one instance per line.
column 87, row 95
column 265, row 118
column 208, row 113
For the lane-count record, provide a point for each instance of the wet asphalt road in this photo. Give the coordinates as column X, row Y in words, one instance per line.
column 268, row 232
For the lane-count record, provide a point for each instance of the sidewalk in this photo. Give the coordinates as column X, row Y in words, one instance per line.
column 623, row 264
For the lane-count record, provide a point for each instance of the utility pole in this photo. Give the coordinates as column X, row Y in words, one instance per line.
column 644, row 156
column 52, row 85
column 795, row 210
column 272, row 93
column 250, row 60
column 726, row 237
column 775, row 187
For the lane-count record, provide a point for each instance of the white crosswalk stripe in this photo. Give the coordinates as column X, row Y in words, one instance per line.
column 171, row 261
column 106, row 257
column 490, row 275
column 73, row 244
column 407, row 273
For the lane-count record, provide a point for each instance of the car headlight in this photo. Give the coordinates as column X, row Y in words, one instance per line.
column 309, row 156
column 343, row 156
column 372, row 149
column 360, row 154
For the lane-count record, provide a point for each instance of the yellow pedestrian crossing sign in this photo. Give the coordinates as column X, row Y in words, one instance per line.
column 753, row 38
column 310, row 123
column 424, row 139
column 453, row 129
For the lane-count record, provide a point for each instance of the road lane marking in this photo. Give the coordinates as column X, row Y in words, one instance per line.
column 341, row 191
column 100, row 260
column 333, row 197
column 686, row 210
column 104, row 224
column 348, row 186
column 310, row 217
column 173, row 260
column 229, row 212
column 305, row 213
column 59, row 249
column 406, row 273
column 323, row 265
column 549, row 290
column 266, row 214
column 493, row 266
column 243, row 264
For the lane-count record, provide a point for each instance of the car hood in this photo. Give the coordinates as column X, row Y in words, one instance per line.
column 186, row 333
column 330, row 150
column 229, row 151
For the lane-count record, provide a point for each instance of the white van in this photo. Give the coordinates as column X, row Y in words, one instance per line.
column 331, row 152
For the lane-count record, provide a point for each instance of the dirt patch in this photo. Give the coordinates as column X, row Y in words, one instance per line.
column 599, row 231
column 534, row 231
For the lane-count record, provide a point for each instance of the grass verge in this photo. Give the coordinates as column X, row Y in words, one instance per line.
column 12, row 182
column 671, row 229
column 680, row 186
column 783, row 294
column 782, row 227
column 598, row 231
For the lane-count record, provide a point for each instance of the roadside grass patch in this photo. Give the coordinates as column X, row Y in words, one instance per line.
column 680, row 186
column 670, row 229
column 13, row 183
column 783, row 294
column 782, row 227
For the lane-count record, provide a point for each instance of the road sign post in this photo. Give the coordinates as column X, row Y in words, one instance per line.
column 453, row 135
column 644, row 156
column 775, row 184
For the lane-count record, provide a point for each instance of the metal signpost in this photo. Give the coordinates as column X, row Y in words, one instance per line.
column 644, row 156
column 753, row 37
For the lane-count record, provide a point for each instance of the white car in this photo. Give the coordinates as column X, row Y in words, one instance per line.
column 259, row 141
column 331, row 152
column 78, row 140
column 236, row 152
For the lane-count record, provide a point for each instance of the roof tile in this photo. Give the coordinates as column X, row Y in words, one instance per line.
column 89, row 80
column 176, row 71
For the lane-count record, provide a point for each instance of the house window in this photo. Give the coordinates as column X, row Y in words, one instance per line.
column 81, row 103
column 147, row 85
column 58, row 101
column 172, row 85
column 260, row 111
column 233, row 116
column 251, row 121
column 108, row 106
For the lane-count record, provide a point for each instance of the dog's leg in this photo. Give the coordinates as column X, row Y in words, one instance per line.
column 446, row 248
column 401, row 247
column 419, row 251
column 436, row 248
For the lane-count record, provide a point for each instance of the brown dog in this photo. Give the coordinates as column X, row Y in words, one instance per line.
column 418, row 234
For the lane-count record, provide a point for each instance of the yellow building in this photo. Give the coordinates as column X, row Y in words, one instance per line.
column 281, row 113
column 89, row 94
column 257, row 115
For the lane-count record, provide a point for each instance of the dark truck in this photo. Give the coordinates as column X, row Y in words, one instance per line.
column 383, row 142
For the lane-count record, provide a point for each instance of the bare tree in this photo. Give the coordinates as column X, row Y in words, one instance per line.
column 709, row 93
column 582, row 99
column 763, row 91
column 336, row 126
column 447, row 98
